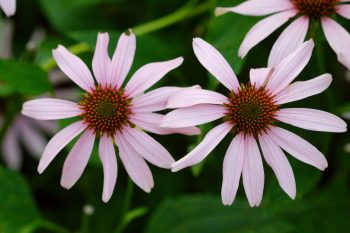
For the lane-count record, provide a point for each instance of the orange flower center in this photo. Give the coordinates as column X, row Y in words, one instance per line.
column 316, row 8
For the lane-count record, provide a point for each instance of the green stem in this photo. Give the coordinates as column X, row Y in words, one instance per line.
column 53, row 227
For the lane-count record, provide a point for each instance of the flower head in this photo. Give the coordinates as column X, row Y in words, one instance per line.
column 112, row 112
column 252, row 113
column 8, row 6
column 280, row 12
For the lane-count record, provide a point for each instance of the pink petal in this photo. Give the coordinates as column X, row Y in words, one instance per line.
column 11, row 151
column 290, row 67
column 148, row 75
column 74, row 68
column 77, row 159
column 134, row 164
column 298, row 147
column 232, row 169
column 344, row 58
column 192, row 97
column 58, row 142
column 49, row 127
column 257, row 7
column 150, row 122
column 279, row 163
column 259, row 77
column 210, row 141
column 148, row 148
column 156, row 100
column 344, row 10
column 101, row 63
column 8, row 6
column 253, row 172
column 263, row 29
column 123, row 58
column 337, row 37
column 215, row 63
column 191, row 116
column 292, row 37
column 303, row 89
column 311, row 119
column 110, row 169
column 50, row 109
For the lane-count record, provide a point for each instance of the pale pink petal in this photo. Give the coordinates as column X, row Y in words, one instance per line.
column 279, row 163
column 289, row 40
column 192, row 97
column 257, row 7
column 263, row 29
column 49, row 127
column 232, row 169
column 148, row 75
column 123, row 58
column 77, row 159
column 298, row 147
column 50, row 109
column 101, row 63
column 191, row 116
column 110, row 169
column 344, row 10
column 311, row 119
column 150, row 122
column 74, row 68
column 259, row 77
column 215, row 63
column 344, row 58
column 290, row 67
column 157, row 99
column 337, row 37
column 11, row 149
column 210, row 141
column 134, row 164
column 8, row 6
column 148, row 148
column 253, row 172
column 58, row 142
column 303, row 89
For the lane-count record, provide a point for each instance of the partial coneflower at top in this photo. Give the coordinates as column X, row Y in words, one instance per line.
column 111, row 112
column 306, row 11
column 8, row 6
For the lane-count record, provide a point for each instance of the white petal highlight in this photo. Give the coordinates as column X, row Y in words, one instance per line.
column 101, row 63
column 259, row 77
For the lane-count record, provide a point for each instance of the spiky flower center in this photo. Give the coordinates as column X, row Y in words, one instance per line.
column 251, row 110
column 106, row 110
column 316, row 8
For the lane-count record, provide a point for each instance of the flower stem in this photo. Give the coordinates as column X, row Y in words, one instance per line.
column 53, row 227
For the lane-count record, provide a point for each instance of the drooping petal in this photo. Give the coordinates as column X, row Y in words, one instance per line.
column 257, row 7
column 311, row 119
column 123, row 58
column 303, row 89
column 253, row 172
column 337, row 36
column 101, row 63
column 74, row 68
column 134, row 164
column 210, row 141
column 58, row 142
column 77, row 159
column 190, row 97
column 232, row 169
column 148, row 148
column 289, row 40
column 344, row 10
column 279, row 163
column 263, row 29
column 194, row 115
column 11, row 149
column 157, row 99
column 148, row 75
column 8, row 6
column 298, row 147
column 290, row 67
column 150, row 122
column 259, row 77
column 110, row 167
column 50, row 109
column 215, row 63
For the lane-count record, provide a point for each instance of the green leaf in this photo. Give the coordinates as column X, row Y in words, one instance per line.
column 134, row 214
column 22, row 78
column 18, row 212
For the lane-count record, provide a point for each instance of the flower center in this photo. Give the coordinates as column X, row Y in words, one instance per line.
column 251, row 110
column 106, row 110
column 316, row 8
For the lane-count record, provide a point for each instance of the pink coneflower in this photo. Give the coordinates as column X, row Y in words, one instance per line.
column 251, row 113
column 112, row 113
column 282, row 10
column 8, row 6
